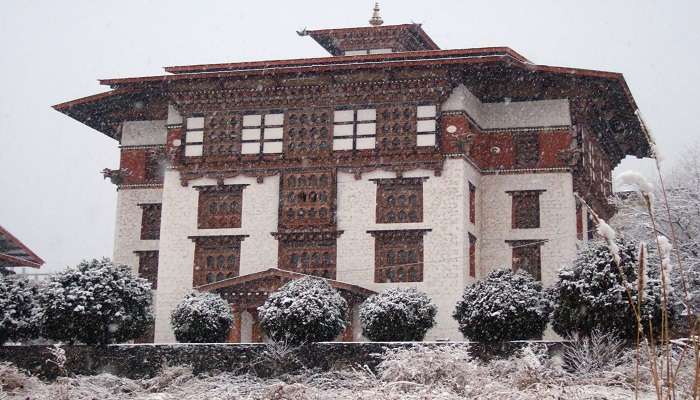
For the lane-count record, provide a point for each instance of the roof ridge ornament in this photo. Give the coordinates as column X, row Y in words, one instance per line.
column 376, row 20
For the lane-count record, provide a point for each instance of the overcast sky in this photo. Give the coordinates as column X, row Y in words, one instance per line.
column 53, row 197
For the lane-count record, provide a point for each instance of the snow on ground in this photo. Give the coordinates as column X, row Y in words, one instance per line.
column 419, row 373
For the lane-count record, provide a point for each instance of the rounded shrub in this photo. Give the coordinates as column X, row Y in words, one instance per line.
column 96, row 303
column 505, row 306
column 400, row 314
column 201, row 318
column 592, row 294
column 303, row 310
column 20, row 315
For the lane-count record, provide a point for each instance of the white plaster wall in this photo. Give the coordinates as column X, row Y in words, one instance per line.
column 179, row 221
column 445, row 246
column 140, row 133
column 127, row 234
column 513, row 114
column 557, row 221
column 246, row 327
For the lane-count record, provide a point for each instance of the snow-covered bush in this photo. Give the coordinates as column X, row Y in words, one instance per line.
column 399, row 314
column 96, row 303
column 592, row 295
column 201, row 318
column 504, row 306
column 19, row 312
column 303, row 310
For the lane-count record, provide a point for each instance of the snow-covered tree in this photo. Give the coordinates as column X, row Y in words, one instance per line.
column 633, row 222
column 201, row 318
column 19, row 311
column 592, row 295
column 303, row 310
column 399, row 314
column 505, row 306
column 96, row 302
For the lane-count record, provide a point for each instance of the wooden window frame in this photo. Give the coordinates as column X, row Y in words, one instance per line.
column 389, row 245
column 150, row 220
column 424, row 133
column 520, row 206
column 520, row 254
column 310, row 253
column 472, row 203
column 355, row 123
column 194, row 130
column 214, row 194
column 216, row 258
column 148, row 266
column 262, row 140
column 389, row 192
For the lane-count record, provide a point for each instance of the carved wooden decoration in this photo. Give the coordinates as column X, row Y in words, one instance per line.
column 311, row 257
column 309, row 132
column 526, row 209
column 222, row 134
column 155, row 165
column 220, row 206
column 399, row 200
column 148, row 266
column 396, row 127
column 398, row 255
column 150, row 221
column 526, row 256
column 216, row 258
column 527, row 149
column 307, row 200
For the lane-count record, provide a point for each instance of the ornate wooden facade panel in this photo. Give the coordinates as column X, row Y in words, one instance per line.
column 311, row 257
column 527, row 149
column 526, row 256
column 219, row 206
column 526, row 209
column 398, row 255
column 150, row 221
column 216, row 258
column 399, row 200
column 222, row 133
column 307, row 200
column 148, row 266
column 308, row 132
column 396, row 127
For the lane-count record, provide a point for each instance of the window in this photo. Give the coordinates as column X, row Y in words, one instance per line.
column 194, row 137
column 526, row 209
column 311, row 253
column 354, row 129
column 154, row 166
column 216, row 258
column 220, row 206
column 262, row 133
column 398, row 255
column 150, row 221
column 472, row 255
column 472, row 203
column 526, row 256
column 307, row 199
column 399, row 200
column 148, row 267
column 365, row 52
column 527, row 149
column 426, row 125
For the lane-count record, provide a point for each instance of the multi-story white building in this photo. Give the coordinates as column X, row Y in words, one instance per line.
column 390, row 163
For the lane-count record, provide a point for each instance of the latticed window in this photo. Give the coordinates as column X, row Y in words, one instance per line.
column 526, row 209
column 262, row 133
column 526, row 256
column 194, row 137
column 354, row 129
column 216, row 258
column 399, row 200
column 150, row 221
column 311, row 253
column 148, row 267
column 472, row 203
column 220, row 206
column 306, row 199
column 154, row 165
column 527, row 149
column 426, row 125
column 398, row 255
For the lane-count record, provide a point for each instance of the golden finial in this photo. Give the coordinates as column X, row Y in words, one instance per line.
column 376, row 20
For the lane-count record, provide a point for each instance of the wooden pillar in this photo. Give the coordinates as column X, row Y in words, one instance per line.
column 234, row 334
column 257, row 336
column 347, row 335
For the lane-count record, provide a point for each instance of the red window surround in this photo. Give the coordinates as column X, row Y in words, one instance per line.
column 472, row 255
